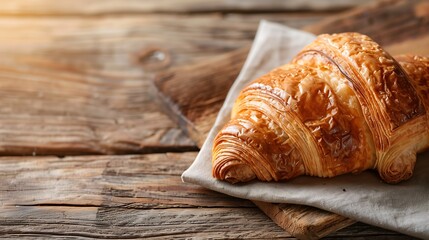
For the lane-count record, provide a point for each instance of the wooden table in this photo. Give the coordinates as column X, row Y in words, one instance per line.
column 87, row 151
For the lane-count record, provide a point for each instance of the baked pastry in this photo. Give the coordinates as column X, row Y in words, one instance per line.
column 343, row 105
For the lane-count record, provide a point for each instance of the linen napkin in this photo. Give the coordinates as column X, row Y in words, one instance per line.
column 364, row 197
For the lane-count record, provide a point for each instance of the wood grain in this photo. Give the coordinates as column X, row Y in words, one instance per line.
column 51, row 111
column 108, row 223
column 74, row 85
column 129, row 181
column 387, row 21
column 304, row 222
column 98, row 7
column 379, row 20
column 128, row 196
column 208, row 83
column 109, row 44
column 119, row 223
column 75, row 79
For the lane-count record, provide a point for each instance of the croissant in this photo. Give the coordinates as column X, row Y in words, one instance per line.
column 342, row 105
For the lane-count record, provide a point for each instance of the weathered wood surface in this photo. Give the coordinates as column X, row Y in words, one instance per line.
column 97, row 7
column 75, row 79
column 195, row 108
column 75, row 85
column 128, row 181
column 304, row 222
column 386, row 21
column 208, row 83
column 129, row 196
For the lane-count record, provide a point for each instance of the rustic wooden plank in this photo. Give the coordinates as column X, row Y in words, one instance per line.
column 364, row 231
column 93, row 222
column 377, row 19
column 50, row 111
column 128, row 181
column 121, row 46
column 107, row 223
column 97, row 7
column 74, row 85
column 128, row 196
column 208, row 82
column 387, row 21
column 304, row 222
column 110, row 43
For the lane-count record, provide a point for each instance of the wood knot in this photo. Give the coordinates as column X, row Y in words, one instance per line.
column 152, row 58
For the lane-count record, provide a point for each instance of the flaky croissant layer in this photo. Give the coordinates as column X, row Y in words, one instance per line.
column 343, row 105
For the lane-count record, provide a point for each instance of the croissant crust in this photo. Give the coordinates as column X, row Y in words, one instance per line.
column 342, row 105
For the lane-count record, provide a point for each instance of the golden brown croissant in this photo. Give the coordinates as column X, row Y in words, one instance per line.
column 343, row 105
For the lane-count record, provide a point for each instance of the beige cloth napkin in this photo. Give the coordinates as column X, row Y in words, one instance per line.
column 364, row 197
